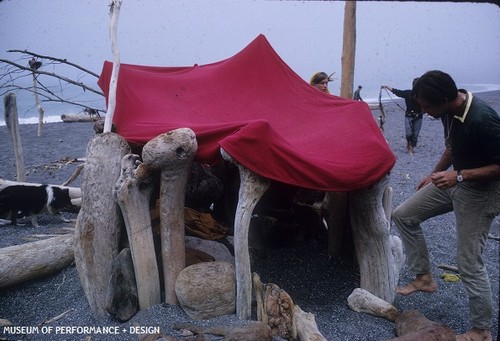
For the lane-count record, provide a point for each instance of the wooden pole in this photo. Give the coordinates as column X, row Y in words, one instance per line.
column 114, row 11
column 348, row 50
column 38, row 106
column 12, row 122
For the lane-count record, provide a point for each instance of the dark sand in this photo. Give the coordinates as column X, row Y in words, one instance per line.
column 316, row 284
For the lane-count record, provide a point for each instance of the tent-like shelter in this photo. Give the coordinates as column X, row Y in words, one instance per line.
column 255, row 109
column 260, row 112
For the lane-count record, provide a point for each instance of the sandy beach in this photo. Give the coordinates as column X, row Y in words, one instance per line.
column 318, row 284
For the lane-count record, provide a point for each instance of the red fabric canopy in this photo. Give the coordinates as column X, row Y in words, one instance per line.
column 261, row 112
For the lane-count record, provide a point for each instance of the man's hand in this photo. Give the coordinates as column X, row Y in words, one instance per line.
column 424, row 182
column 445, row 179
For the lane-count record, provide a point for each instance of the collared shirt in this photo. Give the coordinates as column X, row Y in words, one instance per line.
column 474, row 136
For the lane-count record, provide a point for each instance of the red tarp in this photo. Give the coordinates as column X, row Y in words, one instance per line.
column 261, row 112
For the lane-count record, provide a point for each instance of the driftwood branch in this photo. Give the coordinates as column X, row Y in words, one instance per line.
column 52, row 74
column 252, row 187
column 133, row 191
column 114, row 11
column 59, row 60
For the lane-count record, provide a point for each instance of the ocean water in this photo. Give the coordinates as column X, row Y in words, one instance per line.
column 28, row 114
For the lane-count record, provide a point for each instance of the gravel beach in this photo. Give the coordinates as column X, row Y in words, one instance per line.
column 317, row 284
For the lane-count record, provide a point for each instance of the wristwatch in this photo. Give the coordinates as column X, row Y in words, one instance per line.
column 460, row 178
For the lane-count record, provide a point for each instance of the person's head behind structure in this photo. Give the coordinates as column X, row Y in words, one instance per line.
column 320, row 81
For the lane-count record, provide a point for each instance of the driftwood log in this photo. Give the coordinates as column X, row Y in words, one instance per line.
column 20, row 263
column 363, row 301
column 172, row 153
column 99, row 224
column 375, row 247
column 276, row 309
column 133, row 191
column 75, row 118
column 412, row 325
column 252, row 187
column 307, row 329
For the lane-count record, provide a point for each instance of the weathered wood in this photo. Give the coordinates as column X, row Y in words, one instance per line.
column 20, row 263
column 99, row 224
column 307, row 329
column 336, row 208
column 363, row 301
column 173, row 154
column 133, row 191
column 275, row 308
column 412, row 325
column 121, row 297
column 69, row 118
column 12, row 122
column 348, row 50
column 373, row 243
column 114, row 12
column 252, row 187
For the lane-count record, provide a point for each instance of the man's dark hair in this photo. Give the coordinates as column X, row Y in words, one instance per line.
column 435, row 87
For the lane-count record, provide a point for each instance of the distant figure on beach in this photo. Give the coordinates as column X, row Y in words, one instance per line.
column 471, row 189
column 357, row 94
column 413, row 116
column 320, row 81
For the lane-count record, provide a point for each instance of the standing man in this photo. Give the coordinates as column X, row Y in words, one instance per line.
column 471, row 189
column 413, row 116
column 357, row 94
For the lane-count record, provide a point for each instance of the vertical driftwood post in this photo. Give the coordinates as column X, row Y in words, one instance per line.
column 114, row 11
column 373, row 243
column 12, row 122
column 348, row 50
column 252, row 187
column 38, row 105
column 99, row 223
column 172, row 153
column 339, row 238
column 133, row 191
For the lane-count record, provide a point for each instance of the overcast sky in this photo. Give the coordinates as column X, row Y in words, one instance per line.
column 396, row 41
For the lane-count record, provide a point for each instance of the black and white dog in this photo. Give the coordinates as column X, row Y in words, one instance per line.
column 32, row 200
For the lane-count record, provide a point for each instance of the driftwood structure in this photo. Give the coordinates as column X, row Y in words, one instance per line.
column 99, row 224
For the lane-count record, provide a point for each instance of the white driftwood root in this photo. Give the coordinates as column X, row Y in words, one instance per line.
column 133, row 191
column 99, row 224
column 363, row 301
column 252, row 187
column 173, row 154
column 373, row 243
column 307, row 329
column 24, row 262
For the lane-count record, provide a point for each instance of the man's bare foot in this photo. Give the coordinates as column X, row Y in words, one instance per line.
column 423, row 283
column 475, row 334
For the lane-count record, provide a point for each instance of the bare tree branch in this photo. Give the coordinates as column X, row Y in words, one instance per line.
column 51, row 74
column 63, row 61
